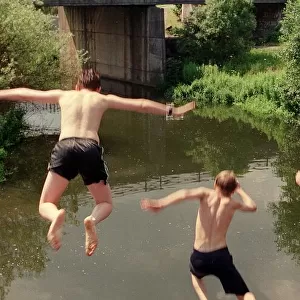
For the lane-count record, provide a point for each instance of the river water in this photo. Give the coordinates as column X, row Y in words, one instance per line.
column 146, row 256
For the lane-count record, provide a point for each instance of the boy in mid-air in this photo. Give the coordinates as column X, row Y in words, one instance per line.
column 211, row 255
column 79, row 150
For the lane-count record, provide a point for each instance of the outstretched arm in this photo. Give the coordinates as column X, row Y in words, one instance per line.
column 176, row 197
column 24, row 94
column 147, row 106
column 248, row 204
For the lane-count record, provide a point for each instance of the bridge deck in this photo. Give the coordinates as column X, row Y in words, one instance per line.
column 133, row 2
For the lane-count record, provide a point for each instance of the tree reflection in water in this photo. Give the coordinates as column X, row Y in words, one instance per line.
column 146, row 152
column 286, row 211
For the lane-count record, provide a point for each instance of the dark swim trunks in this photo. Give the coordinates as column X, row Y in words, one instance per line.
column 73, row 156
column 220, row 264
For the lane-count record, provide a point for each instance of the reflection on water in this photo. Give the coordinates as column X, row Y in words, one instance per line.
column 148, row 156
column 286, row 212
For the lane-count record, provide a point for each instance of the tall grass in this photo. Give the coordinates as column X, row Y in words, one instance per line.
column 252, row 82
column 258, row 60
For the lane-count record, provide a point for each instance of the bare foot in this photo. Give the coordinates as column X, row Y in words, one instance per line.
column 249, row 296
column 54, row 233
column 91, row 240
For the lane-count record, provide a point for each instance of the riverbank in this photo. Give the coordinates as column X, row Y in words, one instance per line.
column 250, row 82
column 12, row 127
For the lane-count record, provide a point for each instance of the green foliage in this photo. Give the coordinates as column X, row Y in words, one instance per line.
column 30, row 47
column 39, row 4
column 217, row 87
column 11, row 127
column 217, row 31
column 11, row 132
column 190, row 72
column 256, row 61
column 252, row 81
column 291, row 55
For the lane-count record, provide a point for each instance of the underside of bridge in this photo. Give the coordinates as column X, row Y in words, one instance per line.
column 126, row 44
column 126, row 39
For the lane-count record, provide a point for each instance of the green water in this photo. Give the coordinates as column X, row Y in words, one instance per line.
column 145, row 256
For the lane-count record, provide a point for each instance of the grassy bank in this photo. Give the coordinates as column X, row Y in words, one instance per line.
column 251, row 82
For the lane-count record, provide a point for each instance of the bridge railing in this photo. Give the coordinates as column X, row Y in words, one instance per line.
column 135, row 2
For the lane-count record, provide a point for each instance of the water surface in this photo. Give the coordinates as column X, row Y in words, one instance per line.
column 146, row 256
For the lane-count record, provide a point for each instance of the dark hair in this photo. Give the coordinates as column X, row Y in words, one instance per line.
column 89, row 79
column 227, row 182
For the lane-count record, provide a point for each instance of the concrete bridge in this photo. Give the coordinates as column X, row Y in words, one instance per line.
column 126, row 38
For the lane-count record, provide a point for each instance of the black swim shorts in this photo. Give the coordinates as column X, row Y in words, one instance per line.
column 73, row 156
column 220, row 264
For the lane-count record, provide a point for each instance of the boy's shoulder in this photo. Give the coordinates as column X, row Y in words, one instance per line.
column 206, row 193
column 208, row 190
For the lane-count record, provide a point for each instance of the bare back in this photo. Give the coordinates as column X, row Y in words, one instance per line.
column 213, row 219
column 81, row 114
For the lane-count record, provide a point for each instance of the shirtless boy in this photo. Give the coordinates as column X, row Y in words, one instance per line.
column 211, row 255
column 78, row 150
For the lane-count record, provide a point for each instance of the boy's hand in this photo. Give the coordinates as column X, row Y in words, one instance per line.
column 297, row 177
column 181, row 110
column 152, row 205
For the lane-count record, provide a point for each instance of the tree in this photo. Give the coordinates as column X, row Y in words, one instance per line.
column 291, row 55
column 30, row 47
column 217, row 31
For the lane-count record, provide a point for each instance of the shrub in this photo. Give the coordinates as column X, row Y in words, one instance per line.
column 11, row 132
column 30, row 47
column 291, row 55
column 216, row 87
column 190, row 72
column 217, row 31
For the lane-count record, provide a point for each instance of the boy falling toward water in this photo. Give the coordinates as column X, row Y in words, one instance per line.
column 211, row 255
column 78, row 150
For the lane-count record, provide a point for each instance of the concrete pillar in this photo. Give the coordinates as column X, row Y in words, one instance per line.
column 125, row 44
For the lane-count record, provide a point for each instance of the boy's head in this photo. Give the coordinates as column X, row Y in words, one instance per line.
column 89, row 79
column 226, row 182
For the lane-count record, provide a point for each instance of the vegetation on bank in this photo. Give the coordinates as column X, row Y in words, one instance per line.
column 251, row 81
column 30, row 56
column 218, row 71
column 31, row 48
column 290, row 39
column 217, row 31
column 12, row 126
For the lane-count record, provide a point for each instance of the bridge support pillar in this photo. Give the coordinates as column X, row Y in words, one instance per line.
column 126, row 44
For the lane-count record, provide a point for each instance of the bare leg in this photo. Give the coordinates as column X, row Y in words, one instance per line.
column 53, row 188
column 199, row 287
column 102, row 194
column 248, row 296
